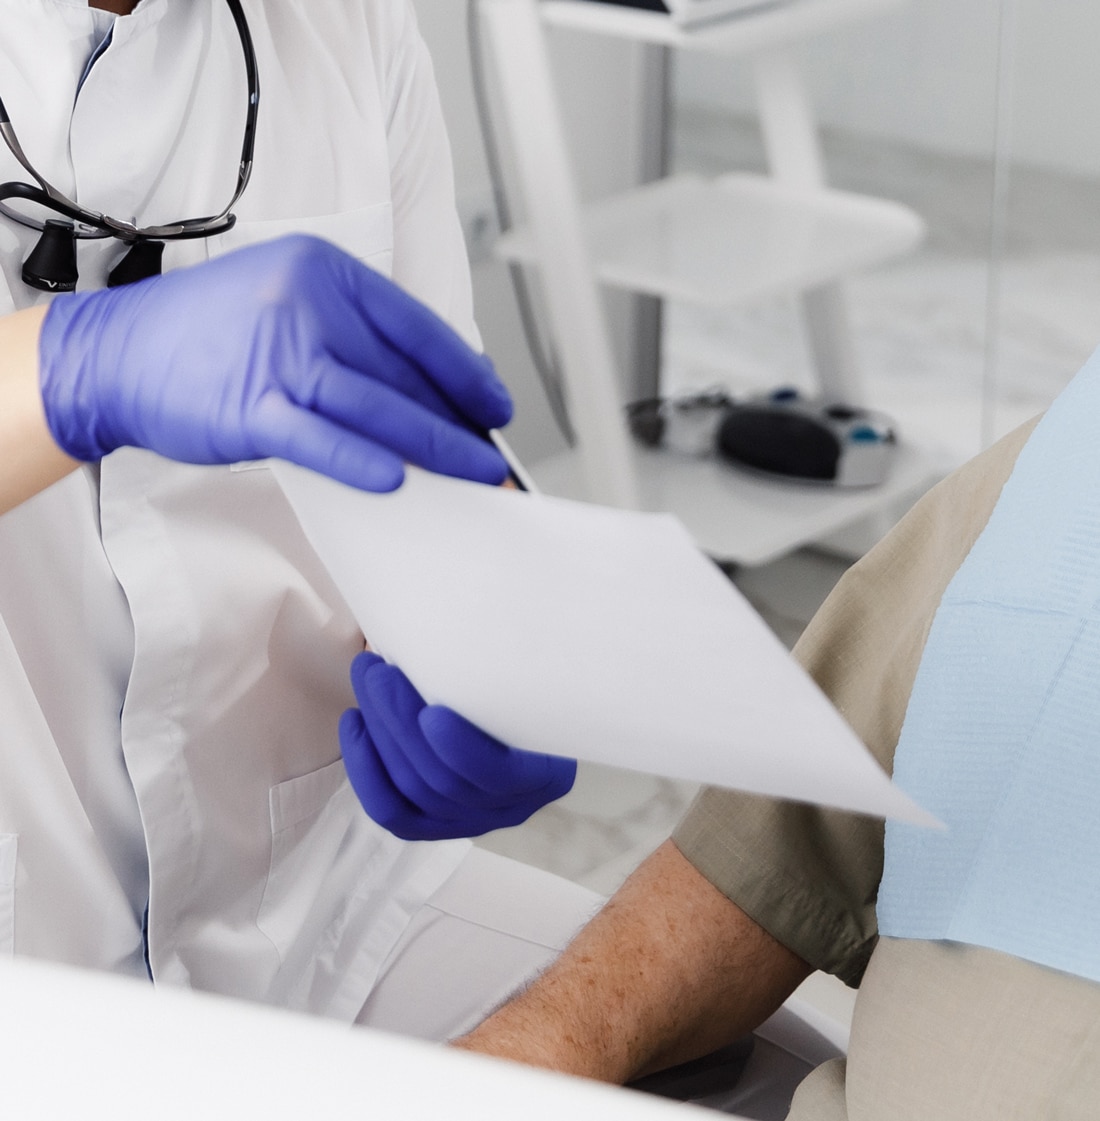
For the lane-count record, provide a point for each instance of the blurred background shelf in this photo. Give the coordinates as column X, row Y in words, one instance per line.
column 744, row 519
column 773, row 23
column 732, row 239
column 717, row 241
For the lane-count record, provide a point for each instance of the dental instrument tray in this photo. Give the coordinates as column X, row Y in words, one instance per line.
column 808, row 439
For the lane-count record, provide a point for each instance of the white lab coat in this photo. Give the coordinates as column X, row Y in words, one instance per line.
column 173, row 659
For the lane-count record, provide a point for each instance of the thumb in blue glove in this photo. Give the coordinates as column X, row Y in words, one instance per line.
column 289, row 349
column 425, row 773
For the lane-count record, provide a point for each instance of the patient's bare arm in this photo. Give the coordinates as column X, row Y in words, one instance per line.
column 668, row 971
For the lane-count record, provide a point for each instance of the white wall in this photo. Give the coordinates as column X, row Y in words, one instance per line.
column 595, row 79
column 1057, row 120
column 927, row 74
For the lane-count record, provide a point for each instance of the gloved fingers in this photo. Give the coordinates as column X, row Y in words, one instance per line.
column 287, row 431
column 400, row 781
column 402, row 432
column 453, row 778
column 385, row 804
column 202, row 384
column 455, row 757
column 377, row 794
column 465, row 378
column 372, row 356
column 416, row 433
column 324, row 301
column 360, row 664
column 490, row 765
column 390, row 705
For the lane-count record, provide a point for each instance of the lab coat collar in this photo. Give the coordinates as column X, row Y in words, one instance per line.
column 147, row 14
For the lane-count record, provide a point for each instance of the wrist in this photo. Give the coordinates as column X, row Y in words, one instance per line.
column 31, row 457
column 70, row 350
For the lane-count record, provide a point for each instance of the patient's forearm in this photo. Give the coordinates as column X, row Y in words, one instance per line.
column 29, row 459
column 668, row 971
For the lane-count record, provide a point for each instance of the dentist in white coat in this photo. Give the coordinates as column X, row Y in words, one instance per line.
column 173, row 659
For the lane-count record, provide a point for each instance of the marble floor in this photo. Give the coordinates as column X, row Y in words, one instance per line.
column 955, row 349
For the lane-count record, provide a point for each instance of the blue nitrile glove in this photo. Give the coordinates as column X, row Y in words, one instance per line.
column 291, row 349
column 425, row 773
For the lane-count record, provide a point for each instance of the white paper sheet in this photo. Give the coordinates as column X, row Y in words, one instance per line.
column 580, row 630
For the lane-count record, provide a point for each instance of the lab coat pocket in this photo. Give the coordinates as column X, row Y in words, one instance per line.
column 8, row 846
column 365, row 233
column 339, row 894
column 309, row 825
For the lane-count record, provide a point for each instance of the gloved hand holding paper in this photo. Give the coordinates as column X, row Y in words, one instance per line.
column 584, row 631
